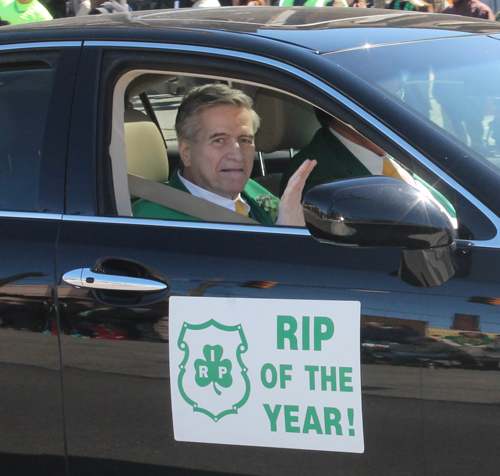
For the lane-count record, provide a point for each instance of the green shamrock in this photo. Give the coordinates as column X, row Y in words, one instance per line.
column 213, row 369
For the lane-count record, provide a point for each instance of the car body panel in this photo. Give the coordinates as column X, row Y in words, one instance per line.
column 398, row 386
column 31, row 418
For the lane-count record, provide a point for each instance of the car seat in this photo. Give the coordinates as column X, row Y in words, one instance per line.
column 287, row 123
column 145, row 148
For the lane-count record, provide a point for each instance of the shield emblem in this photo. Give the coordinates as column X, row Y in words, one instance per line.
column 213, row 378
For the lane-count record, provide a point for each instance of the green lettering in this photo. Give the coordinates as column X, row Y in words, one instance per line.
column 272, row 415
column 289, row 419
column 323, row 330
column 288, row 333
column 325, row 378
column 332, row 418
column 312, row 369
column 350, row 416
column 284, row 376
column 274, row 375
column 311, row 421
column 305, row 333
column 344, row 379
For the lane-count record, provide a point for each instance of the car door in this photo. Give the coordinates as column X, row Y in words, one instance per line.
column 115, row 340
column 36, row 85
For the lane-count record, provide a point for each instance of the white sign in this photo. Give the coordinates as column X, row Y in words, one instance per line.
column 266, row 372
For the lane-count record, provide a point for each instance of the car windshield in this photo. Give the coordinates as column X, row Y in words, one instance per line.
column 453, row 83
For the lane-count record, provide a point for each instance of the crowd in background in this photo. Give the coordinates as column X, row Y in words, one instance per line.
column 25, row 11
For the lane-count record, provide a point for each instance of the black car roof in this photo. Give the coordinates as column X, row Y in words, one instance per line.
column 320, row 29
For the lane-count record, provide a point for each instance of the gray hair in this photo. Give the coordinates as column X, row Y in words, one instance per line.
column 187, row 122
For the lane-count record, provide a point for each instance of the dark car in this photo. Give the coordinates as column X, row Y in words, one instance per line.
column 364, row 344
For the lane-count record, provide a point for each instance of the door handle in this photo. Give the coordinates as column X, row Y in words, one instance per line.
column 86, row 278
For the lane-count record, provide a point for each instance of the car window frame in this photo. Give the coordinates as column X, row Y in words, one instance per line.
column 62, row 57
column 227, row 64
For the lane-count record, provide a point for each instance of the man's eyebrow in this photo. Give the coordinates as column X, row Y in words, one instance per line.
column 217, row 134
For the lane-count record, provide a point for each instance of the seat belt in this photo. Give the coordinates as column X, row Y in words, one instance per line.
column 183, row 202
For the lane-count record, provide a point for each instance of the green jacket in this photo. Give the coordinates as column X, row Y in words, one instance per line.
column 314, row 3
column 146, row 209
column 335, row 161
column 15, row 12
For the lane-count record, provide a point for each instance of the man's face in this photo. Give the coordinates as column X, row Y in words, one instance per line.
column 220, row 158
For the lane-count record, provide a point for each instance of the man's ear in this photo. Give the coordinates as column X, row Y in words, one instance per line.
column 185, row 152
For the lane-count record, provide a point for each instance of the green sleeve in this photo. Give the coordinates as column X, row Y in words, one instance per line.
column 439, row 197
column 254, row 189
column 145, row 209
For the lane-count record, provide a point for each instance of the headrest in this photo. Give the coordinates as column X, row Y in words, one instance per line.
column 146, row 152
column 286, row 122
column 133, row 115
column 144, row 82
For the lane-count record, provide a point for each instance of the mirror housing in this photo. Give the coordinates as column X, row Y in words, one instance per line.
column 376, row 211
column 379, row 211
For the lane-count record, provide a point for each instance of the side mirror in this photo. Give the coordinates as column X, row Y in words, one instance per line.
column 379, row 211
column 376, row 211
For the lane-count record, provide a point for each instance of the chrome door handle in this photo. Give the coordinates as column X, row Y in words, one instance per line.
column 86, row 278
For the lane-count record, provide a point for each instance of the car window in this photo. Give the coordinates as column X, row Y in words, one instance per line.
column 458, row 93
column 24, row 100
column 288, row 127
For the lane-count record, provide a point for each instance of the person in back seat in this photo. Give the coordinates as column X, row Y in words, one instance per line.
column 216, row 127
column 341, row 152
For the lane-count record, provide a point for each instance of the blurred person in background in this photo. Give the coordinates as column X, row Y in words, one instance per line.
column 313, row 3
column 206, row 4
column 470, row 8
column 411, row 5
column 95, row 7
column 109, row 6
column 250, row 3
column 23, row 11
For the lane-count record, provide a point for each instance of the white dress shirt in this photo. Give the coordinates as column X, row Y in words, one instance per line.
column 373, row 162
column 212, row 197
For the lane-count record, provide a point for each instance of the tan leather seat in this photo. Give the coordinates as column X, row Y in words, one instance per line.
column 286, row 122
column 146, row 151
